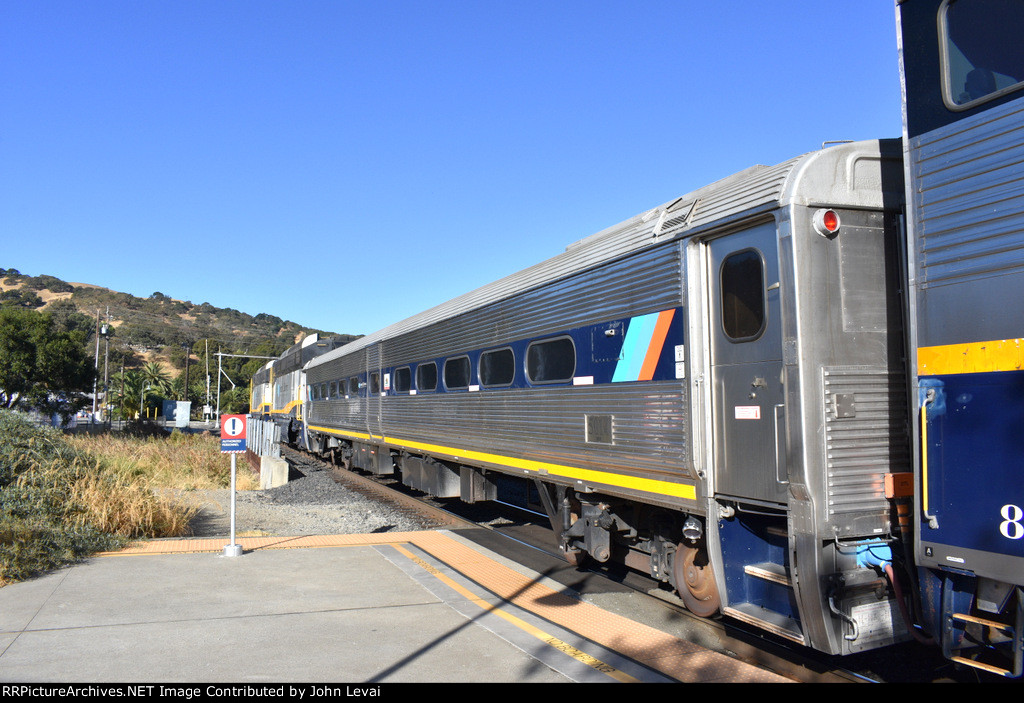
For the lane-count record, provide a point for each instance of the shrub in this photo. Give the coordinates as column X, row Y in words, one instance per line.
column 42, row 525
column 59, row 503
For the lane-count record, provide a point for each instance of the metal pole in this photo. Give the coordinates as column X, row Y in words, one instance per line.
column 233, row 550
column 96, row 368
column 219, row 355
column 206, row 410
column 106, row 363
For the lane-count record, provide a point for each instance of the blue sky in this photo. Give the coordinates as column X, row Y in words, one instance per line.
column 347, row 164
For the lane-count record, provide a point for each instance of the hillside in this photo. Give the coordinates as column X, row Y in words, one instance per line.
column 156, row 328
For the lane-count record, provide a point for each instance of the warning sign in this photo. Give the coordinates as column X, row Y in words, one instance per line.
column 232, row 433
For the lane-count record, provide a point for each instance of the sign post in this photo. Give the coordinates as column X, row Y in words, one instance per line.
column 232, row 441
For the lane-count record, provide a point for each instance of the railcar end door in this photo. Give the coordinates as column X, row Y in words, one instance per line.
column 745, row 337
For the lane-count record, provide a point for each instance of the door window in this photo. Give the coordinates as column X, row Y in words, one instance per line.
column 743, row 304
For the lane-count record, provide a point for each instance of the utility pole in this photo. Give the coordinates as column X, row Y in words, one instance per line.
column 106, row 365
column 206, row 408
column 96, row 368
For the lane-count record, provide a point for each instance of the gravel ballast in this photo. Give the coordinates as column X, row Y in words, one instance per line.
column 309, row 504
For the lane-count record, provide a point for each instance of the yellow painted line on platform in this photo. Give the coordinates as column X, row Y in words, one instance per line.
column 544, row 637
column 657, row 650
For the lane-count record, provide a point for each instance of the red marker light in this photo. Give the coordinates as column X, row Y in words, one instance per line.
column 831, row 220
column 826, row 222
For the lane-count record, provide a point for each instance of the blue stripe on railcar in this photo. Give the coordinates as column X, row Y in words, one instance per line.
column 648, row 347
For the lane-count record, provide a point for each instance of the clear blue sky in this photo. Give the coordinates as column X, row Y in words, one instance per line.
column 347, row 164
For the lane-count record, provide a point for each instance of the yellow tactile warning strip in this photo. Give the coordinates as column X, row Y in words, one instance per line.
column 657, row 650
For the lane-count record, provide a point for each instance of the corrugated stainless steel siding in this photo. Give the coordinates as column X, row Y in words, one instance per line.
column 286, row 389
column 548, row 424
column 543, row 424
column 756, row 187
column 745, row 191
column 648, row 282
column 863, row 447
column 649, row 422
column 969, row 198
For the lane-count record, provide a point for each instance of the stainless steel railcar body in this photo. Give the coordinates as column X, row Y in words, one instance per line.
column 260, row 394
column 278, row 389
column 712, row 391
column 962, row 66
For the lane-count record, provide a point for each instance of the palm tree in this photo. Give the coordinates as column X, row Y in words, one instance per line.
column 157, row 378
column 128, row 388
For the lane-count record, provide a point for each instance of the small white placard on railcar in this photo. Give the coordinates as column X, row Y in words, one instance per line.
column 748, row 412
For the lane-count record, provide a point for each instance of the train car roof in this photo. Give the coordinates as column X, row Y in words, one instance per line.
column 864, row 174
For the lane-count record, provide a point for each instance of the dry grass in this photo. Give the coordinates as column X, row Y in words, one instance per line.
column 130, row 508
column 187, row 462
column 63, row 498
column 134, row 494
column 100, row 500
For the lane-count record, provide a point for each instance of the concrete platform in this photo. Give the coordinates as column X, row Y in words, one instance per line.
column 389, row 608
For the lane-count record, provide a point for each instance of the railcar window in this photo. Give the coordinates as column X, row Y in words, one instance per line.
column 333, row 392
column 982, row 50
column 456, row 372
column 497, row 367
column 403, row 379
column 743, row 310
column 551, row 360
column 375, row 383
column 426, row 377
column 353, row 386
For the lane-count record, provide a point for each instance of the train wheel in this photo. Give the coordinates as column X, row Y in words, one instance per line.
column 695, row 581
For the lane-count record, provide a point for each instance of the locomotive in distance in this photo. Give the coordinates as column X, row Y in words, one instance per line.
column 779, row 393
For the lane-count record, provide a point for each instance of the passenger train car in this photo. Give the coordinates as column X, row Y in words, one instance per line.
column 279, row 388
column 963, row 73
column 712, row 391
column 793, row 394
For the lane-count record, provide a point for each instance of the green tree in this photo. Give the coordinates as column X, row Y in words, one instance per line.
column 130, row 391
column 235, row 400
column 20, row 298
column 157, row 378
column 66, row 317
column 41, row 366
